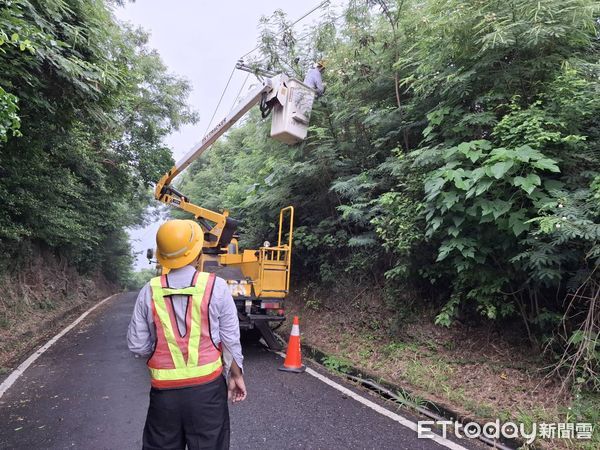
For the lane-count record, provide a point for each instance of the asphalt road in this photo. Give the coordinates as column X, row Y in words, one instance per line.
column 87, row 391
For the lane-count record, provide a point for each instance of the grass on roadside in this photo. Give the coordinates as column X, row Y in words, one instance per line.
column 468, row 371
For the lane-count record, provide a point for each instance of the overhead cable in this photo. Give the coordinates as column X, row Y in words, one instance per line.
column 220, row 100
column 320, row 5
column 239, row 92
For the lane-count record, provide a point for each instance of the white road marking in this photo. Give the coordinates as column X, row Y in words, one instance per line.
column 381, row 410
column 14, row 376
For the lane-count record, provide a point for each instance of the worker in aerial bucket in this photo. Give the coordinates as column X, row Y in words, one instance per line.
column 314, row 78
column 186, row 322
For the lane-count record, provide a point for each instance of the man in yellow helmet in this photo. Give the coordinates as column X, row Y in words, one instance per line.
column 184, row 321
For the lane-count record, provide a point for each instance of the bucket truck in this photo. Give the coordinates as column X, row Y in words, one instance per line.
column 258, row 279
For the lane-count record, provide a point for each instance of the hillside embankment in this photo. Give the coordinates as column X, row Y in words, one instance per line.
column 479, row 372
column 39, row 299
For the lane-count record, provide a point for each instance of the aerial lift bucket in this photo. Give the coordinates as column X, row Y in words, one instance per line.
column 291, row 117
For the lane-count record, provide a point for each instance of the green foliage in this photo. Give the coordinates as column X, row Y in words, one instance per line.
column 336, row 364
column 9, row 119
column 457, row 149
column 584, row 409
column 138, row 279
column 87, row 140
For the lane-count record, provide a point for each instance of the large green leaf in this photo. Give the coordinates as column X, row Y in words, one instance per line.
column 546, row 164
column 529, row 183
column 499, row 169
column 517, row 222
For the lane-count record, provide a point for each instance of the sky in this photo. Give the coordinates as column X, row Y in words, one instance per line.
column 201, row 41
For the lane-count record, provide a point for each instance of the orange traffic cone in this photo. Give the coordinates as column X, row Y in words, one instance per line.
column 293, row 356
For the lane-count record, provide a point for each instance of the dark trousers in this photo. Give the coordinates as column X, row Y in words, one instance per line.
column 196, row 416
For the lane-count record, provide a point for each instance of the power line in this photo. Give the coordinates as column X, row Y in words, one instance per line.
column 320, row 5
column 220, row 100
column 240, row 91
column 265, row 59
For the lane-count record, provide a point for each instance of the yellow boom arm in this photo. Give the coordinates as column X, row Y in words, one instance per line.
column 291, row 102
column 218, row 227
column 213, row 223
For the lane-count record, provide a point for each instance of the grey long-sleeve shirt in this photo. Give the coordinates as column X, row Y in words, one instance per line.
column 314, row 80
column 224, row 323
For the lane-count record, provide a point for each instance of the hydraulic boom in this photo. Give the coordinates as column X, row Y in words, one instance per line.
column 257, row 279
column 213, row 223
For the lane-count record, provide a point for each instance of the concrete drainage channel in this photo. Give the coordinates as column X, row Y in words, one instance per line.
column 401, row 396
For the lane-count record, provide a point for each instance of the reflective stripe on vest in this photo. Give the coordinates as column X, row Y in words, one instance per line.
column 192, row 359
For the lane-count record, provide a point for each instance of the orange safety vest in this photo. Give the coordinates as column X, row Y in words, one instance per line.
column 183, row 361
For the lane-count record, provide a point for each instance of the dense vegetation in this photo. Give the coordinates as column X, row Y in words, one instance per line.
column 84, row 106
column 457, row 150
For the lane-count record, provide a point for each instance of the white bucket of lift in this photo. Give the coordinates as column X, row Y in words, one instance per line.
column 291, row 118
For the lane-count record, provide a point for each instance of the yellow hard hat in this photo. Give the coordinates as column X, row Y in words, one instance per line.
column 178, row 243
column 322, row 63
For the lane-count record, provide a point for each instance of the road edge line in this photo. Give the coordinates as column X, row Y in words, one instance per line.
column 15, row 374
column 379, row 409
